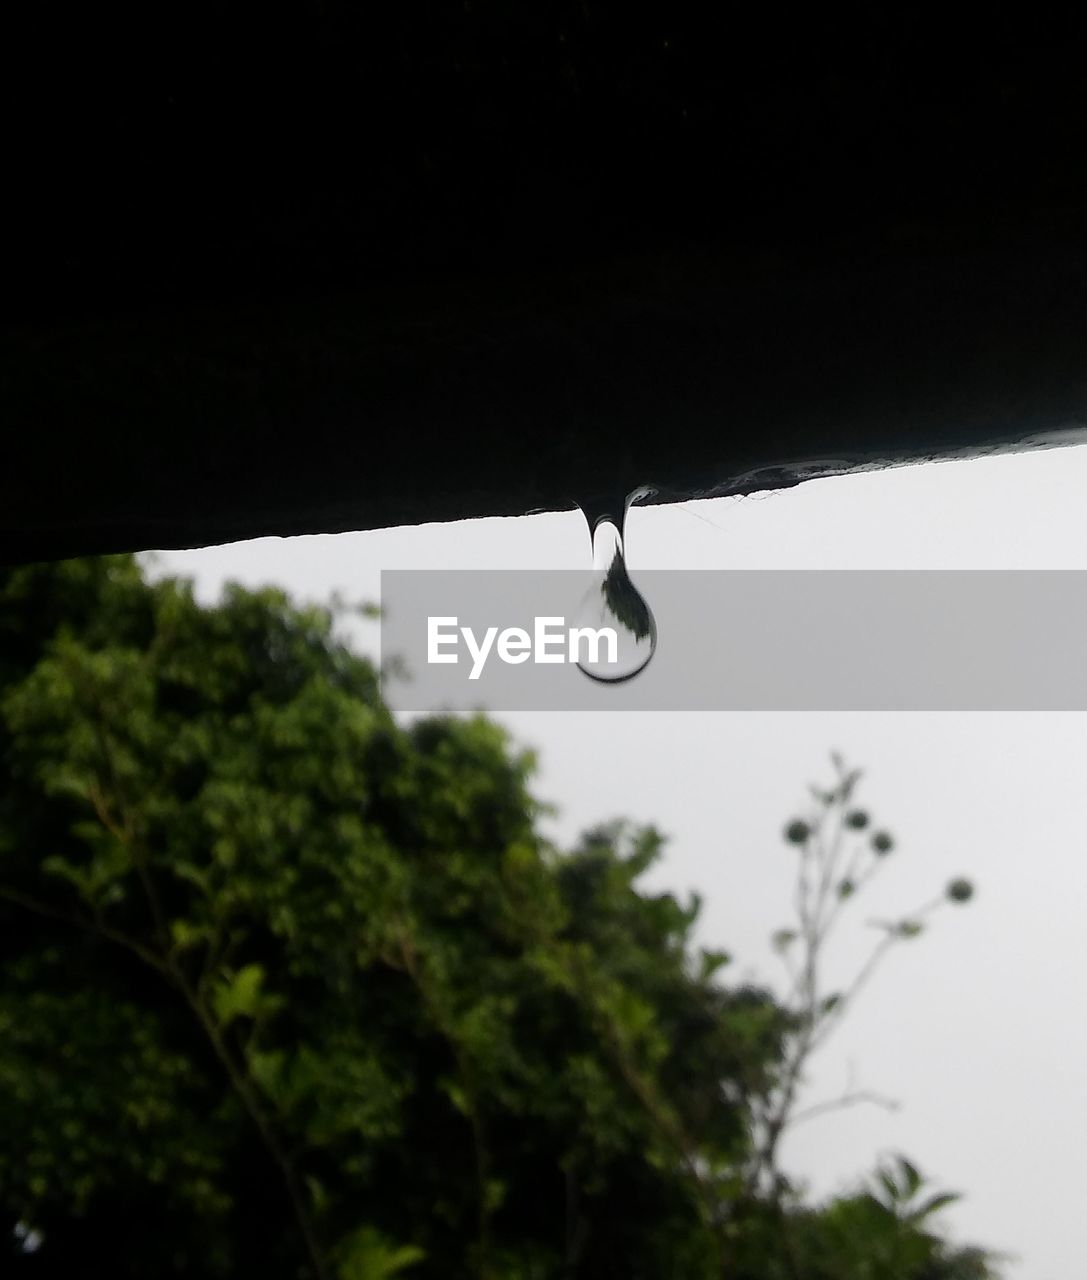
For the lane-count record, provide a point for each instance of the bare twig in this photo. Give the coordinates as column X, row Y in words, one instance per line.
column 846, row 1100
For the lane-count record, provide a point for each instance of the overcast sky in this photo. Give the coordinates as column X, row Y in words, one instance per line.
column 977, row 1028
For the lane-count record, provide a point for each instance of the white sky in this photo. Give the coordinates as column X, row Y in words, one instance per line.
column 977, row 1028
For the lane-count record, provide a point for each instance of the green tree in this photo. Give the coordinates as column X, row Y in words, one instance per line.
column 291, row 990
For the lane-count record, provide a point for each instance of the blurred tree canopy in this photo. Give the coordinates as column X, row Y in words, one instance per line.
column 290, row 990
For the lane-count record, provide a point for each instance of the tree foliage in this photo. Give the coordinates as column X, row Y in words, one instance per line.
column 292, row 990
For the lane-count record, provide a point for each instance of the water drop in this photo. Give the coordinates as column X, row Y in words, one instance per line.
column 612, row 601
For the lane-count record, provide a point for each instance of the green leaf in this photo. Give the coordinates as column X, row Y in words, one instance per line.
column 912, row 1179
column 266, row 1068
column 710, row 962
column 895, row 1193
column 187, row 935
column 368, row 1255
column 78, row 877
column 934, row 1204
column 457, row 1096
column 239, row 996
column 318, row 1194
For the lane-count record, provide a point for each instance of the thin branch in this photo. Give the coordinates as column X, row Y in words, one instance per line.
column 830, row 861
column 125, row 832
column 94, row 926
column 846, row 1100
column 869, row 967
column 249, row 1100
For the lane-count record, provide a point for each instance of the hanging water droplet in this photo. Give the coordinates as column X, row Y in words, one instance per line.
column 613, row 605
